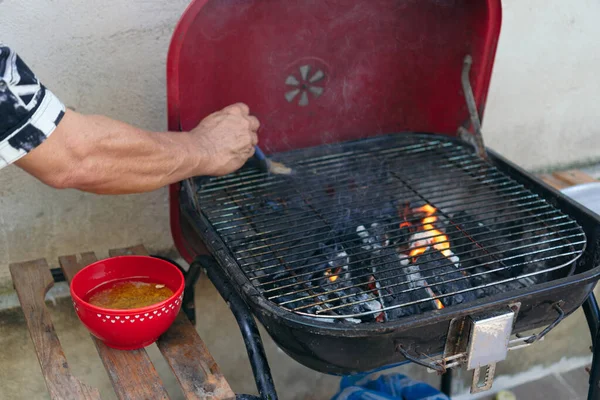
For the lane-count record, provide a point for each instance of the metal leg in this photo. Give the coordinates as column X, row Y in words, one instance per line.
column 446, row 385
column 57, row 275
column 245, row 320
column 592, row 314
column 191, row 278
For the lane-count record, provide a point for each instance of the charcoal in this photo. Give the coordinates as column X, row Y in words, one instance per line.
column 392, row 269
column 491, row 290
column 351, row 259
column 387, row 268
column 293, row 301
column 348, row 300
column 336, row 256
column 494, row 248
column 499, row 236
column 438, row 269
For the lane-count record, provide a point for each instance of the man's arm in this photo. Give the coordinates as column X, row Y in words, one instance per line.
column 100, row 155
column 66, row 149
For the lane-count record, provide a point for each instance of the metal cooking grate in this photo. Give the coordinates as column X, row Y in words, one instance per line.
column 344, row 230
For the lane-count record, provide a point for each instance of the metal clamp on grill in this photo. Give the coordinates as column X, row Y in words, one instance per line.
column 479, row 342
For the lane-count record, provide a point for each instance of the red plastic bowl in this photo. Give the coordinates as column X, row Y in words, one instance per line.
column 127, row 329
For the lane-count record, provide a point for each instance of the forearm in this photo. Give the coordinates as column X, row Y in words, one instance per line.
column 100, row 155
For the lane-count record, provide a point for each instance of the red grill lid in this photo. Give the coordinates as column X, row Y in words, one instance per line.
column 321, row 71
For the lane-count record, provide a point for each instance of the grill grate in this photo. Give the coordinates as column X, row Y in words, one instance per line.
column 386, row 227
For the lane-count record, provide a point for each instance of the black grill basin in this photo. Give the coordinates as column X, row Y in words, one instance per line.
column 377, row 243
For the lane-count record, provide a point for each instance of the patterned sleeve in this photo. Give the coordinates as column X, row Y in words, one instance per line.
column 29, row 112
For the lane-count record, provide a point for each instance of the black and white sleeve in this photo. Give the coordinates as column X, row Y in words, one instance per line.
column 29, row 112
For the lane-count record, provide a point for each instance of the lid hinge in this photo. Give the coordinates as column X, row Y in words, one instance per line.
column 475, row 138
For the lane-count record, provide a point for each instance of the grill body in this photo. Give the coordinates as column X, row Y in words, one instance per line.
column 367, row 68
column 347, row 348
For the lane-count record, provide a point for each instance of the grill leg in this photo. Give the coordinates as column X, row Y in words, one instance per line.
column 446, row 384
column 245, row 320
column 191, row 277
column 592, row 314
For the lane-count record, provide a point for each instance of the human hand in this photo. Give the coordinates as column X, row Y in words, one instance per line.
column 225, row 140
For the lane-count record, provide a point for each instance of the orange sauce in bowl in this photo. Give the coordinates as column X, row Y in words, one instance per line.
column 125, row 295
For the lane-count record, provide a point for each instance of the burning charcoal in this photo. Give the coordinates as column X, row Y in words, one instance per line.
column 386, row 266
column 392, row 288
column 347, row 299
column 337, row 261
column 424, row 292
column 379, row 234
column 438, row 270
column 359, row 238
column 330, row 265
column 375, row 237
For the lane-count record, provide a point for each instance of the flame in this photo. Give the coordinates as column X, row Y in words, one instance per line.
column 332, row 276
column 435, row 237
column 417, row 251
column 432, row 237
column 427, row 221
column 438, row 304
column 427, row 209
column 442, row 244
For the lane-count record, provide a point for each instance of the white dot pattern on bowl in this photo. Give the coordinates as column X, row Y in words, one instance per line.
column 137, row 317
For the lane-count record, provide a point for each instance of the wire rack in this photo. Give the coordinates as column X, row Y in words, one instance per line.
column 407, row 222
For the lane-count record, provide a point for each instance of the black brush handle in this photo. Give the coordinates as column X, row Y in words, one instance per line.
column 262, row 159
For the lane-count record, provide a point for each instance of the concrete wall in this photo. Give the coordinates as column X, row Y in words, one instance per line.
column 543, row 109
column 105, row 57
column 108, row 57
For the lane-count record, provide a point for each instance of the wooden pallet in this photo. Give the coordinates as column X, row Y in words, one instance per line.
column 131, row 373
column 563, row 179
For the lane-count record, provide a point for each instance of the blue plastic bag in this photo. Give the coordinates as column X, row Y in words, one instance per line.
column 386, row 387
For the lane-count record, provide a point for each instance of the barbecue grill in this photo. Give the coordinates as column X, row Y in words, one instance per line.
column 399, row 237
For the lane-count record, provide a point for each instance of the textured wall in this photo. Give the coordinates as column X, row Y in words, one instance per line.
column 544, row 108
column 108, row 57
column 105, row 57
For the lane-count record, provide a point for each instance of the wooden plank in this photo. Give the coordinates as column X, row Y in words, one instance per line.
column 196, row 370
column 574, row 177
column 554, row 182
column 194, row 367
column 32, row 280
column 131, row 373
